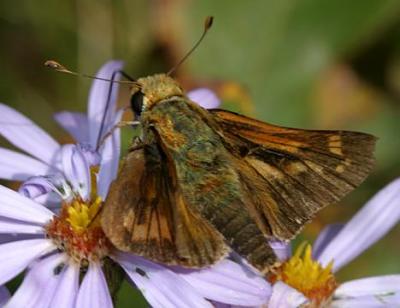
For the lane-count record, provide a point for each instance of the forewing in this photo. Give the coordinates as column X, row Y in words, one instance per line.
column 145, row 214
column 289, row 174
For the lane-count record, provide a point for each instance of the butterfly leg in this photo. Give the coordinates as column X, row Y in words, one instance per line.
column 118, row 125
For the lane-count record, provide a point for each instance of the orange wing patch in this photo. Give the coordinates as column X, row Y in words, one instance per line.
column 289, row 174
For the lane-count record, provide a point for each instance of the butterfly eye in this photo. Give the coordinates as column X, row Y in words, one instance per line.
column 137, row 102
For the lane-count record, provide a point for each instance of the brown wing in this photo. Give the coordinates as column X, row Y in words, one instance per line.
column 289, row 174
column 145, row 214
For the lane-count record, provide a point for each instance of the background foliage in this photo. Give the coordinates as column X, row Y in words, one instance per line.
column 300, row 63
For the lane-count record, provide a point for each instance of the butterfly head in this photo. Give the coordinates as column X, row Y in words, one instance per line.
column 151, row 90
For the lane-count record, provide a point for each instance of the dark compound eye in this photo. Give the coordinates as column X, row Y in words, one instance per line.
column 137, row 102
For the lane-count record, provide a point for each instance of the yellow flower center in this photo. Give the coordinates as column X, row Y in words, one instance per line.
column 80, row 214
column 307, row 276
column 77, row 231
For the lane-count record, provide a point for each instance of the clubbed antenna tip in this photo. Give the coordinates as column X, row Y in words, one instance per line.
column 58, row 67
column 207, row 25
column 61, row 68
column 208, row 22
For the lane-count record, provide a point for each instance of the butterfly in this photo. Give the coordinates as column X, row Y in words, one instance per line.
column 200, row 183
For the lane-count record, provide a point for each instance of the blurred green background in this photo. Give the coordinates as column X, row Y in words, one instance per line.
column 307, row 63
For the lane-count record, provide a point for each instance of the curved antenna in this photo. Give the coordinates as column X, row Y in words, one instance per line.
column 62, row 69
column 207, row 25
column 106, row 108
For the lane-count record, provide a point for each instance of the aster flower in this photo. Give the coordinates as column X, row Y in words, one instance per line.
column 57, row 249
column 308, row 276
column 44, row 153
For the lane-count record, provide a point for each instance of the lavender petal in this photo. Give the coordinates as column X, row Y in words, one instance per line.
column 167, row 296
column 39, row 284
column 19, row 167
column 91, row 155
column 75, row 123
column 376, row 286
column 7, row 238
column 325, row 237
column 93, row 291
column 4, row 295
column 52, row 201
column 98, row 99
column 13, row 227
column 230, row 283
column 67, row 288
column 76, row 170
column 204, row 97
column 26, row 135
column 36, row 186
column 15, row 256
column 46, row 190
column 282, row 249
column 285, row 296
column 109, row 163
column 371, row 223
column 386, row 301
column 15, row 206
column 159, row 285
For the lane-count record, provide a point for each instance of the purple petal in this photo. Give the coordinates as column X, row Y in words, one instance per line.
column 67, row 288
column 76, row 170
column 4, row 295
column 204, row 97
column 51, row 201
column 109, row 164
column 16, row 256
column 169, row 296
column 160, row 286
column 98, row 99
column 324, row 238
column 18, row 167
column 379, row 285
column 36, row 186
column 230, row 283
column 91, row 155
column 13, row 227
column 44, row 189
column 15, row 206
column 39, row 283
column 386, row 301
column 282, row 249
column 222, row 305
column 372, row 222
column 7, row 238
column 75, row 123
column 26, row 135
column 285, row 296
column 93, row 291
column 154, row 296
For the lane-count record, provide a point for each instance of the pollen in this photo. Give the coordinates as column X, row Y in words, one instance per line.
column 304, row 274
column 81, row 215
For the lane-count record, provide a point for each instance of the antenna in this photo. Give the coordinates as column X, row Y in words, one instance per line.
column 207, row 25
column 62, row 69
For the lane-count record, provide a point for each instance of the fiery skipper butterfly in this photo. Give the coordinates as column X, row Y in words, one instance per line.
column 200, row 183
